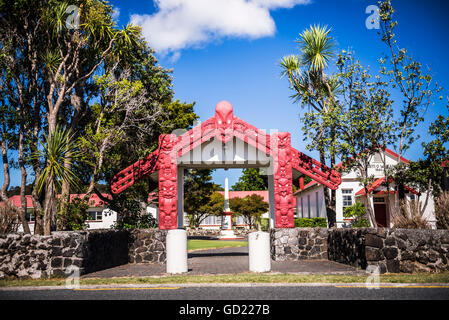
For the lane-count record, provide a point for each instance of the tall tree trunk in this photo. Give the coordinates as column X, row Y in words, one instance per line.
column 333, row 198
column 7, row 178
column 37, row 202
column 77, row 100
column 330, row 212
column 49, row 209
column 23, row 172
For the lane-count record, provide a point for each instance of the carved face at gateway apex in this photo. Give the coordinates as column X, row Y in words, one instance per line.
column 284, row 140
column 224, row 121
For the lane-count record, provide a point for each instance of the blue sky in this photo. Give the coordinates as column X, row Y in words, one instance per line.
column 244, row 69
column 230, row 49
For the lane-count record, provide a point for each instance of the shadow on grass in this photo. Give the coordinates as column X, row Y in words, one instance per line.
column 216, row 254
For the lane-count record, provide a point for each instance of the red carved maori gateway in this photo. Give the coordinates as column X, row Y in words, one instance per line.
column 224, row 127
column 168, row 182
column 283, row 189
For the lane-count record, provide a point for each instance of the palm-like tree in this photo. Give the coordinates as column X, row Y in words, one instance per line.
column 306, row 72
column 312, row 87
column 58, row 148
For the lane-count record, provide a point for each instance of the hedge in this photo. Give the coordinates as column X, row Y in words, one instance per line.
column 311, row 223
column 299, row 223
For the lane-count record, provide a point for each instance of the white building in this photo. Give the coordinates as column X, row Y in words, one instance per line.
column 100, row 217
column 310, row 199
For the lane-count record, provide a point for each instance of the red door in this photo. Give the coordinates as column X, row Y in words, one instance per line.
column 380, row 211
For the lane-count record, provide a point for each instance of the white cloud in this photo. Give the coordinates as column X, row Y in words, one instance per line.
column 181, row 24
column 116, row 13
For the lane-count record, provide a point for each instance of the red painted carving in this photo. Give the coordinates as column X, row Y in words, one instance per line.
column 168, row 183
column 224, row 121
column 315, row 170
column 225, row 126
column 135, row 172
column 283, row 190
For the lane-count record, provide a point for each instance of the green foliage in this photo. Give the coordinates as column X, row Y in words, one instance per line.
column 311, row 223
column 312, row 88
column 132, row 215
column 72, row 216
column 317, row 47
column 59, row 148
column 358, row 212
column 215, row 206
column 251, row 180
column 264, row 224
column 199, row 197
column 414, row 82
column 250, row 208
column 436, row 153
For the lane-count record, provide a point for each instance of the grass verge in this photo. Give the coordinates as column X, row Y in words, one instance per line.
column 193, row 245
column 239, row 278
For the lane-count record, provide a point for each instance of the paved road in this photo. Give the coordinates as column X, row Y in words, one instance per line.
column 236, row 292
column 225, row 261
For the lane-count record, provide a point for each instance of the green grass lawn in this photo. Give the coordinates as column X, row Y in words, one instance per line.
column 213, row 244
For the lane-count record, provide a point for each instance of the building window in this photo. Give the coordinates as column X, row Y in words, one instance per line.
column 96, row 215
column 377, row 158
column 378, row 200
column 302, row 208
column 317, row 205
column 347, row 198
column 30, row 215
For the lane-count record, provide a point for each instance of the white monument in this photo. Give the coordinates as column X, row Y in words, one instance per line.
column 227, row 233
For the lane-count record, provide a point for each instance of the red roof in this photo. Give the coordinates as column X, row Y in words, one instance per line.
column 445, row 164
column 243, row 194
column 16, row 201
column 390, row 152
column 376, row 184
column 94, row 200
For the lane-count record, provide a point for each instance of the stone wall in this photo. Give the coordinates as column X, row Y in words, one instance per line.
column 348, row 246
column 391, row 250
column 299, row 243
column 23, row 256
column 147, row 246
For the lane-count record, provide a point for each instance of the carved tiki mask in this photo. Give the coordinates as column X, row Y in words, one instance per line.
column 224, row 121
column 284, row 140
column 284, row 187
column 167, row 189
column 167, row 142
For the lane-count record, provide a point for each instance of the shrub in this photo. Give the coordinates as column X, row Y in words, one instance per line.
column 132, row 216
column 409, row 216
column 358, row 212
column 311, row 223
column 264, row 224
column 8, row 219
column 442, row 210
column 74, row 215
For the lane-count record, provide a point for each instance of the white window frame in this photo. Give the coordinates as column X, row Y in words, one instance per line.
column 345, row 193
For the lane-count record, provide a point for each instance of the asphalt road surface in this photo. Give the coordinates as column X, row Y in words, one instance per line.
column 222, row 293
